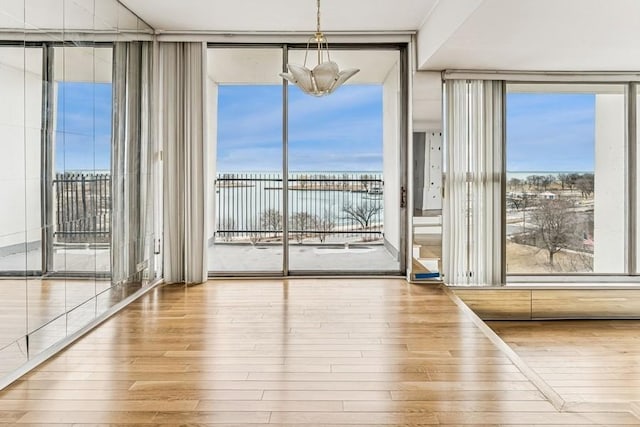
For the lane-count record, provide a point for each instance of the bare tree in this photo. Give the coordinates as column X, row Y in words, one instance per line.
column 534, row 181
column 365, row 181
column 226, row 225
column 254, row 232
column 302, row 181
column 271, row 220
column 345, row 181
column 362, row 214
column 515, row 183
column 573, row 178
column 585, row 183
column 546, row 181
column 302, row 222
column 555, row 222
column 564, row 180
column 325, row 224
column 521, row 203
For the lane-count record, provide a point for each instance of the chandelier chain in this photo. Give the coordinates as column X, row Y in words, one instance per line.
column 318, row 15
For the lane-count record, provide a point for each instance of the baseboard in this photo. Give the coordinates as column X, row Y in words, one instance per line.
column 67, row 341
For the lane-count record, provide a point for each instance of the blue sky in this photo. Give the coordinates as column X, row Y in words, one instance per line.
column 83, row 126
column 550, row 132
column 341, row 132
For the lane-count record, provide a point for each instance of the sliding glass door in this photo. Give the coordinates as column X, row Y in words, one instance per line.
column 344, row 169
column 245, row 160
column 299, row 184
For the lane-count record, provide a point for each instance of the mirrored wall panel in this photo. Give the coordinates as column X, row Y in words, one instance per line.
column 18, row 118
column 56, row 80
column 426, row 257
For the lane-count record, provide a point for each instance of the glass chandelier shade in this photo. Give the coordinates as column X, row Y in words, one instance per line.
column 326, row 76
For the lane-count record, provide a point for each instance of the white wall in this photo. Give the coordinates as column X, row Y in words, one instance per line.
column 20, row 123
column 212, row 145
column 426, row 101
column 391, row 157
column 609, row 235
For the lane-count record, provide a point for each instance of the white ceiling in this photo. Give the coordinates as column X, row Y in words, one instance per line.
column 70, row 15
column 553, row 35
column 282, row 15
column 251, row 66
column 556, row 35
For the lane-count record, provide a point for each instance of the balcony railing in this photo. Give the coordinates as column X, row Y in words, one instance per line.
column 322, row 207
column 82, row 207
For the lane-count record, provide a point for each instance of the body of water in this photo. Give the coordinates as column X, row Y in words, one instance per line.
column 242, row 199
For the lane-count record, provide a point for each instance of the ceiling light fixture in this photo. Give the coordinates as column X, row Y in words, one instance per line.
column 326, row 76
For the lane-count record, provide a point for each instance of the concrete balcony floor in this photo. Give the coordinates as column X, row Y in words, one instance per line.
column 230, row 258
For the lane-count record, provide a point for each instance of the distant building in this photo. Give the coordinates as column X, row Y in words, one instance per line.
column 548, row 195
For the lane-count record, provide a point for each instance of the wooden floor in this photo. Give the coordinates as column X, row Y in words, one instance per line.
column 587, row 362
column 37, row 313
column 298, row 353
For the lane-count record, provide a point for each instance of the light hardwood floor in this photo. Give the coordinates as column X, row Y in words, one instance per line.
column 587, row 362
column 297, row 352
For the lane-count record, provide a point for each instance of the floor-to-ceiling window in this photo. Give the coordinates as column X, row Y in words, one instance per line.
column 300, row 184
column 566, row 191
column 344, row 169
column 244, row 100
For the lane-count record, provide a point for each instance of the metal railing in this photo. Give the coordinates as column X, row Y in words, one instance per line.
column 323, row 207
column 82, row 207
